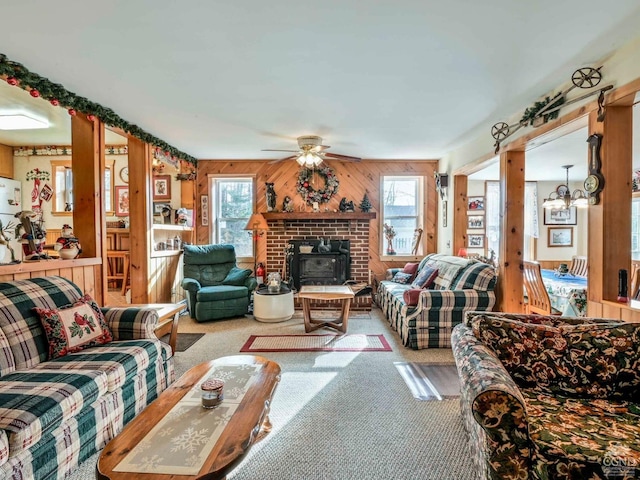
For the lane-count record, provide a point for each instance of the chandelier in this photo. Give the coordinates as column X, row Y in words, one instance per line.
column 563, row 198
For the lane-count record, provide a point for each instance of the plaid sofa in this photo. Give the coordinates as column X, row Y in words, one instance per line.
column 548, row 397
column 462, row 285
column 54, row 414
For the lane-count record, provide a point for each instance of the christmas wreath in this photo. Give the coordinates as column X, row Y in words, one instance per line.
column 311, row 195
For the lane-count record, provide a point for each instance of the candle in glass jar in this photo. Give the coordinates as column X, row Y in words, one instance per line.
column 212, row 394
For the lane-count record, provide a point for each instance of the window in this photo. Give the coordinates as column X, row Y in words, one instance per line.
column 402, row 208
column 232, row 205
column 635, row 228
column 62, row 201
column 492, row 221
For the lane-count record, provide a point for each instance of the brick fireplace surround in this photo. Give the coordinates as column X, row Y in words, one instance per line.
column 312, row 226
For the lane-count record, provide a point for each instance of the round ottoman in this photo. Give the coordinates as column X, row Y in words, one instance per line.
column 272, row 307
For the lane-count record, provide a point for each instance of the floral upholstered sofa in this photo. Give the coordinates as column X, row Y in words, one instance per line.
column 57, row 408
column 547, row 397
column 459, row 286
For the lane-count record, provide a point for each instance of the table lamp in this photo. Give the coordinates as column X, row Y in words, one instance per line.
column 257, row 225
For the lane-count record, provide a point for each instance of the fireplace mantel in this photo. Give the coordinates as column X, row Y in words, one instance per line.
column 319, row 215
column 352, row 217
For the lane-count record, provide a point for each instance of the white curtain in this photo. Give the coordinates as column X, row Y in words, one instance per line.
column 531, row 209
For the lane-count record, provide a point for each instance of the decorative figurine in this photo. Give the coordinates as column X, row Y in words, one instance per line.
column 166, row 214
column 365, row 204
column 34, row 237
column 324, row 247
column 389, row 233
column 287, row 204
column 346, row 206
column 67, row 246
column 271, row 197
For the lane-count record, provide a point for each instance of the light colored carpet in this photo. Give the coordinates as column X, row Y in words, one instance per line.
column 350, row 342
column 430, row 381
column 339, row 415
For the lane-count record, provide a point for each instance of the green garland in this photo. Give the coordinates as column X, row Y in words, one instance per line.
column 530, row 113
column 309, row 194
column 18, row 75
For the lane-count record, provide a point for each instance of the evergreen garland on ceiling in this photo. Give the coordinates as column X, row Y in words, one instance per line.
column 18, row 75
column 530, row 113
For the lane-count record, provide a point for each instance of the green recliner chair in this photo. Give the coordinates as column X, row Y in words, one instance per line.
column 216, row 288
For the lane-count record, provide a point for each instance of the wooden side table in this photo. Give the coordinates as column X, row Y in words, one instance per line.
column 168, row 316
column 308, row 293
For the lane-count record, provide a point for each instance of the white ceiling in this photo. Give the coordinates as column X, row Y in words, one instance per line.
column 402, row 79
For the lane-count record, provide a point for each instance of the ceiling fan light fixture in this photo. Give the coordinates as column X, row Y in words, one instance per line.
column 309, row 159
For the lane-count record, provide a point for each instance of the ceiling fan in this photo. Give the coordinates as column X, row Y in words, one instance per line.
column 311, row 152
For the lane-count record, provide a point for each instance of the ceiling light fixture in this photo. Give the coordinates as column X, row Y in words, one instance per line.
column 309, row 159
column 563, row 198
column 20, row 121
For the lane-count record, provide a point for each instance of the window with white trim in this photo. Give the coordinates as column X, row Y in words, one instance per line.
column 231, row 207
column 402, row 208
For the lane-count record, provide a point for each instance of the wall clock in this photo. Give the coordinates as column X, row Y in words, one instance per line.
column 595, row 181
column 124, row 174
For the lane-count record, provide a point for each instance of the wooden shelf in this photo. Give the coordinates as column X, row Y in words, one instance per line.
column 168, row 226
column 319, row 215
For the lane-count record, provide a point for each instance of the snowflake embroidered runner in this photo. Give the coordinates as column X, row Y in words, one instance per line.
column 182, row 440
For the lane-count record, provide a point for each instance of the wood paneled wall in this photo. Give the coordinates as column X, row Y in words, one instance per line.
column 355, row 179
column 165, row 278
column 84, row 272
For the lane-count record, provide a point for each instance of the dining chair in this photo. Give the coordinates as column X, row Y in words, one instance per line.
column 578, row 266
column 537, row 295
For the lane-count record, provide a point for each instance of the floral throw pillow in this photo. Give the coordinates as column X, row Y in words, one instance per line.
column 74, row 328
column 401, row 277
column 425, row 277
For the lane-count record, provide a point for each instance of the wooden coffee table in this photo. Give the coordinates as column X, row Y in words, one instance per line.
column 343, row 293
column 250, row 418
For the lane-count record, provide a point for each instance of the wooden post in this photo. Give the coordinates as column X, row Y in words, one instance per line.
column 609, row 246
column 509, row 291
column 87, row 166
column 139, row 218
column 459, row 213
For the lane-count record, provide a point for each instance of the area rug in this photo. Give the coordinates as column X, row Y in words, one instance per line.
column 184, row 341
column 316, row 343
column 430, row 381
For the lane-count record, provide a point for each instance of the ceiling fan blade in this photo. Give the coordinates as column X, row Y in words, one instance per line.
column 272, row 150
column 320, row 148
column 345, row 158
column 292, row 157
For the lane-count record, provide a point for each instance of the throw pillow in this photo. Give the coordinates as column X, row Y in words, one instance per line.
column 401, row 277
column 411, row 268
column 237, row 276
column 74, row 328
column 425, row 277
column 411, row 296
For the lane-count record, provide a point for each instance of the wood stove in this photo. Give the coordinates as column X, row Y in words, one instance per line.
column 330, row 265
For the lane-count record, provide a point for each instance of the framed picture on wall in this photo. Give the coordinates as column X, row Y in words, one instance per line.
column 561, row 216
column 475, row 204
column 475, row 222
column 122, row 201
column 158, row 206
column 560, row 237
column 475, row 241
column 162, row 187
